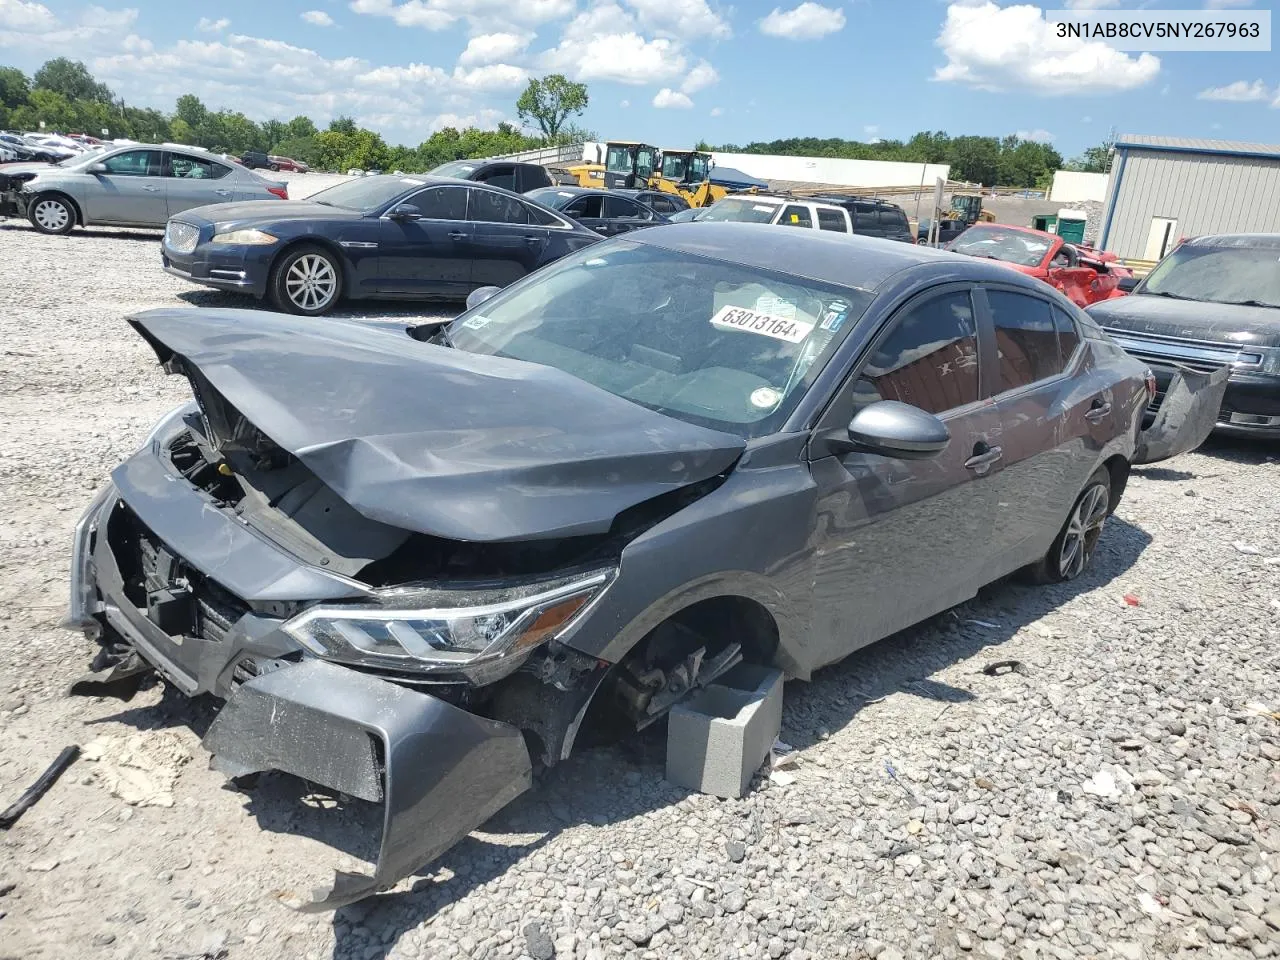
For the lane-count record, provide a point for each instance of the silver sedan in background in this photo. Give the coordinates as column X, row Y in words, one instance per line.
column 135, row 185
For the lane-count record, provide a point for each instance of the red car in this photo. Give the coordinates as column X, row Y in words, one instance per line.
column 284, row 163
column 1083, row 274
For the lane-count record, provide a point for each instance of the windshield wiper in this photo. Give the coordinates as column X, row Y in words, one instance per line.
column 1249, row 303
column 1171, row 296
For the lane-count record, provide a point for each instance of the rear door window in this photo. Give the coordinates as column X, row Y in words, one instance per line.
column 489, row 207
column 1068, row 335
column 832, row 220
column 1026, row 339
column 795, row 215
column 590, row 207
column 186, row 167
column 616, row 208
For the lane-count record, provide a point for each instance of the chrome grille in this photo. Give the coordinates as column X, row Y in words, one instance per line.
column 1202, row 355
column 181, row 237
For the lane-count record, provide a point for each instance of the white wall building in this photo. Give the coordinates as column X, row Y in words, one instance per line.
column 1071, row 186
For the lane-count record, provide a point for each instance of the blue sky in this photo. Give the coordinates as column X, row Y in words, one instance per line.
column 665, row 71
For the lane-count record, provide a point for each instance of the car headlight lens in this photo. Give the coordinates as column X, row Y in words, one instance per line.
column 481, row 635
column 1270, row 360
column 248, row 237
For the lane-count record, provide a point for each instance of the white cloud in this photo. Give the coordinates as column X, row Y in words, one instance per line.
column 668, row 99
column 205, row 25
column 18, row 15
column 809, row 21
column 487, row 119
column 1037, row 135
column 1242, row 91
column 492, row 47
column 603, row 43
column 625, row 104
column 717, row 111
column 703, row 75
column 491, row 77
column 871, row 130
column 682, row 21
column 1091, row 4
column 1086, row 119
column 1014, row 48
column 317, row 18
column 480, row 14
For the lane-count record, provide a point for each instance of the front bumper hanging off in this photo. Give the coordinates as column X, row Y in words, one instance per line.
column 1186, row 417
column 439, row 771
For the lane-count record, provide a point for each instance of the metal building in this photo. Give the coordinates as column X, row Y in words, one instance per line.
column 1165, row 188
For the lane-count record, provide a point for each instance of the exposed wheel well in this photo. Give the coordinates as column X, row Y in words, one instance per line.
column 75, row 207
column 731, row 619
column 1118, row 467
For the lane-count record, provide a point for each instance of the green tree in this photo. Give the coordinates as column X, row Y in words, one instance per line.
column 299, row 148
column 344, row 125
column 15, row 88
column 1094, row 159
column 551, row 100
column 72, row 80
column 341, row 151
column 191, row 111
column 45, row 106
column 300, row 127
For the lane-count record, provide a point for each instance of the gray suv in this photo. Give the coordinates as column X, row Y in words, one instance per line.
column 138, row 185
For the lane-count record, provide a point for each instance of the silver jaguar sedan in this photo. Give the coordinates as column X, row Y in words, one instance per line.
column 134, row 185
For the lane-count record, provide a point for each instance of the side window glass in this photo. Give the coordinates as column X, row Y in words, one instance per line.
column 796, row 216
column 441, row 203
column 186, row 167
column 1068, row 335
column 134, row 163
column 929, row 359
column 615, row 207
column 586, row 207
column 490, row 207
column 543, row 217
column 1026, row 339
column 504, row 177
column 891, row 220
column 865, row 220
column 831, row 220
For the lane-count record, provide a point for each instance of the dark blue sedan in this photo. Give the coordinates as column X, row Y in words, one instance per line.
column 392, row 237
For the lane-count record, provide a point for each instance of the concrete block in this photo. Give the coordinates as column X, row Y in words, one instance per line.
column 717, row 739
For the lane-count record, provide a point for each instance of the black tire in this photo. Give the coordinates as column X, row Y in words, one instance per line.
column 52, row 213
column 274, row 168
column 288, row 287
column 1072, row 549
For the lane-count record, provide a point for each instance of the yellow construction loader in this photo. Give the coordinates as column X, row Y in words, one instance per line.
column 687, row 173
column 626, row 164
column 967, row 207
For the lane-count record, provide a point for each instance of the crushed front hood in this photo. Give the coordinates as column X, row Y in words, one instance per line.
column 1228, row 323
column 436, row 440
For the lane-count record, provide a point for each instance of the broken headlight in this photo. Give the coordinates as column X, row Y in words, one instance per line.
column 480, row 634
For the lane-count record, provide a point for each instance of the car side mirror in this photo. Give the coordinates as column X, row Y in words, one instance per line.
column 899, row 430
column 1128, row 283
column 404, row 211
column 480, row 295
column 98, row 168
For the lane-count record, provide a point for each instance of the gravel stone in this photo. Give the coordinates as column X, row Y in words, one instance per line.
column 1017, row 822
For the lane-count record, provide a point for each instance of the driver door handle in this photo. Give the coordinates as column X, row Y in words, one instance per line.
column 983, row 457
column 223, row 193
column 151, row 189
column 1101, row 408
column 457, row 235
column 532, row 239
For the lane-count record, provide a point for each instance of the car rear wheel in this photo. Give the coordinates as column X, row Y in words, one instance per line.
column 275, row 167
column 50, row 213
column 1072, row 549
column 307, row 280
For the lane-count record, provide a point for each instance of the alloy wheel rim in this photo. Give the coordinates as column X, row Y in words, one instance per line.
column 51, row 214
column 311, row 282
column 1083, row 530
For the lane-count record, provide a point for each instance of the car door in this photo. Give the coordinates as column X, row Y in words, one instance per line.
column 429, row 255
column 622, row 215
column 796, row 215
column 1056, row 415
column 130, row 190
column 899, row 540
column 192, row 181
column 507, row 242
column 588, row 211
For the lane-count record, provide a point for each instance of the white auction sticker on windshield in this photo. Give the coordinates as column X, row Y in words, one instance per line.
column 766, row 324
column 478, row 322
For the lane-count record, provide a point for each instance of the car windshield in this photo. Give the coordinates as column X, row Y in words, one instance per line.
column 1011, row 246
column 735, row 208
column 713, row 343
column 366, row 194
column 551, row 197
column 458, row 169
column 1218, row 274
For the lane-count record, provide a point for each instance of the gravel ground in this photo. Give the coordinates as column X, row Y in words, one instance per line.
column 1116, row 796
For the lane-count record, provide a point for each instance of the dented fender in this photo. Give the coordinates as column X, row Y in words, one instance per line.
column 1186, row 417
column 439, row 771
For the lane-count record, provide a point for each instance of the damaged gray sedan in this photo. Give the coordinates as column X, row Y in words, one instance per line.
column 417, row 564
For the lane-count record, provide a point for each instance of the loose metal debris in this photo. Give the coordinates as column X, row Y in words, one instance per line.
column 38, row 789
